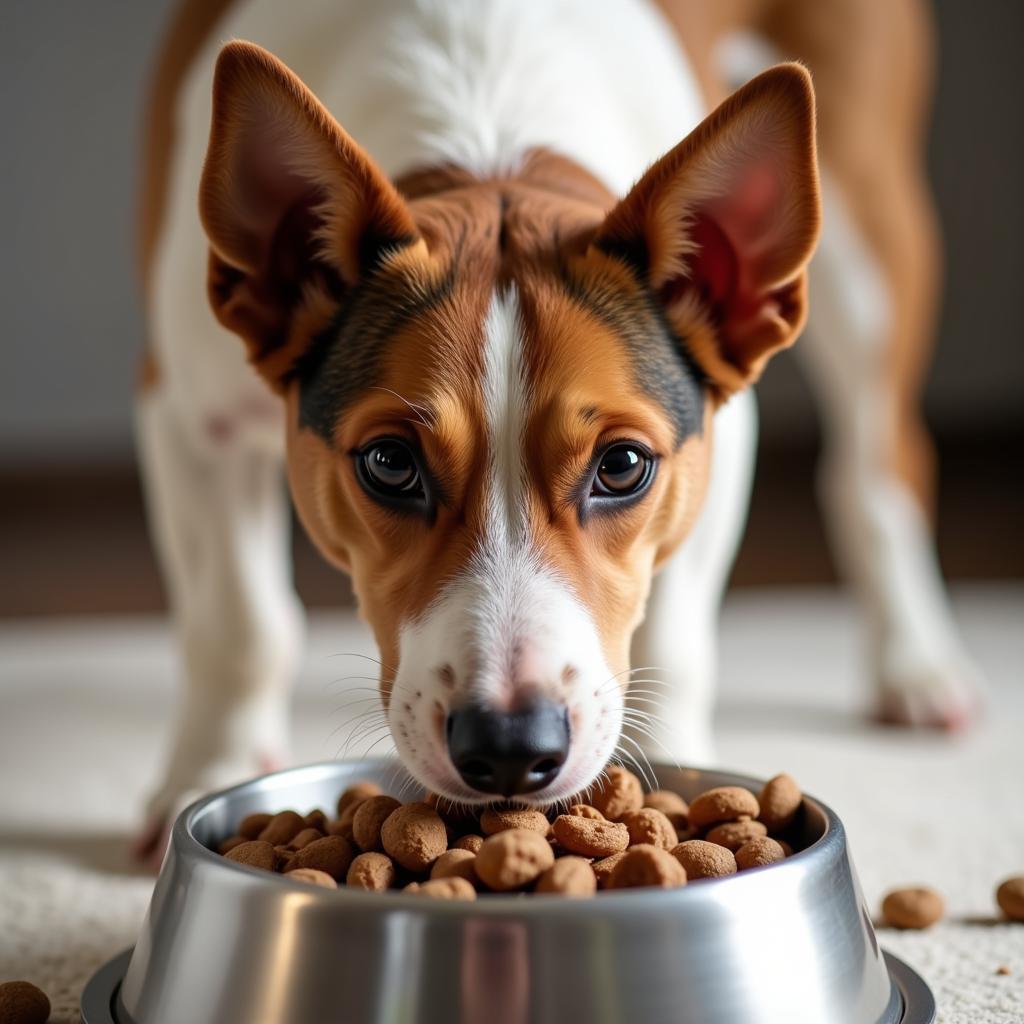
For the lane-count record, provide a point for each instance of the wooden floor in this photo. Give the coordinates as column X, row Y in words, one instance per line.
column 75, row 542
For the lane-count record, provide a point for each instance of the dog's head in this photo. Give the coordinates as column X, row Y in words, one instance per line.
column 500, row 393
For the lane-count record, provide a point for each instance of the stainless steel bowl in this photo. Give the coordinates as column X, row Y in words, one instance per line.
column 227, row 944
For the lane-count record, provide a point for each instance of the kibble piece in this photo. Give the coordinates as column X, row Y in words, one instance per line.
column 282, row 828
column 589, row 837
column 304, row 838
column 780, row 800
column 414, row 835
column 646, row 865
column 512, row 859
column 253, row 824
column 758, row 853
column 22, row 1003
column 470, row 842
column 455, row 864
column 372, row 871
column 282, row 857
column 332, row 854
column 724, row 803
column 650, row 826
column 356, row 792
column 912, row 908
column 493, row 821
column 316, row 819
column 443, row 889
column 313, row 877
column 586, row 811
column 701, row 859
column 734, row 834
column 672, row 805
column 229, row 844
column 1010, row 897
column 369, row 816
column 568, row 876
column 786, row 848
column 617, row 793
column 254, row 853
column 604, row 868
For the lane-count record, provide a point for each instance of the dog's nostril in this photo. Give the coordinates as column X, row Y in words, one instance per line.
column 508, row 753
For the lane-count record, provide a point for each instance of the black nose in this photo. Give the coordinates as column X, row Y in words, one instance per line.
column 509, row 752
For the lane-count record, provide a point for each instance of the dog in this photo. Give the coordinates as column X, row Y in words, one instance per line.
column 493, row 280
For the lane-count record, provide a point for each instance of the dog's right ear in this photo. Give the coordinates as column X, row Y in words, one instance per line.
column 296, row 213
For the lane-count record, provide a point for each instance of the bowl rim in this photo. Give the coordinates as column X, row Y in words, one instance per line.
column 830, row 844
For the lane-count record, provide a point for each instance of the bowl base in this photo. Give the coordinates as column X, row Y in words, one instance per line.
column 100, row 996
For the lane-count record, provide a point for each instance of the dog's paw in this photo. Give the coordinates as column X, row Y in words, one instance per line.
column 945, row 693
column 179, row 790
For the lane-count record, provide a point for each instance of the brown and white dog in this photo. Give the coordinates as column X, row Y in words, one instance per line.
column 501, row 324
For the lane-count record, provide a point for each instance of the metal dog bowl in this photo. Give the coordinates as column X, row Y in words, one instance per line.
column 227, row 944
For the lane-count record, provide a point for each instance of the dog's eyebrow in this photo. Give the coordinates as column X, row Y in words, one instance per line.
column 344, row 359
column 662, row 364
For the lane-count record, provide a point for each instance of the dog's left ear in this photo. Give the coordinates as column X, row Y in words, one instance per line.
column 722, row 226
column 295, row 211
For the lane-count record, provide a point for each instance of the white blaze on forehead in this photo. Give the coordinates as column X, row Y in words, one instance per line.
column 505, row 393
column 509, row 625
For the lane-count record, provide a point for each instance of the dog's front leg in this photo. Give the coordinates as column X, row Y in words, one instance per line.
column 675, row 650
column 220, row 522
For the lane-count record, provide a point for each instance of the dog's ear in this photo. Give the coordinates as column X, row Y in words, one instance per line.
column 722, row 226
column 296, row 213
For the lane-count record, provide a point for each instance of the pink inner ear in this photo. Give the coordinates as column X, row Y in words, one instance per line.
column 732, row 235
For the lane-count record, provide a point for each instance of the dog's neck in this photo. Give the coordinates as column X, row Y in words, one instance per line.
column 457, row 83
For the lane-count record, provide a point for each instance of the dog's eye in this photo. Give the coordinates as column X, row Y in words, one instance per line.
column 624, row 469
column 389, row 469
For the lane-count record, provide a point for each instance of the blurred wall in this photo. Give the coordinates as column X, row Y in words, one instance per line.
column 71, row 81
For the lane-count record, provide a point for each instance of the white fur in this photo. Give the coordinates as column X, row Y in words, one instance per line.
column 508, row 627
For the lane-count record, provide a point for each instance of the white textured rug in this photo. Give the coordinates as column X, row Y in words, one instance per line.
column 82, row 707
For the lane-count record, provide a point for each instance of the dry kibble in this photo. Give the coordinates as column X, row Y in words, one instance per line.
column 455, row 864
column 414, row 835
column 282, row 828
column 512, row 859
column 586, row 811
column 589, row 837
column 229, row 844
column 780, row 800
column 443, row 889
column 650, row 826
column 672, row 805
column 372, row 871
column 253, row 824
column 758, row 853
column 1010, row 897
column 646, row 865
column 912, row 908
column 332, row 854
column 704, row 860
column 313, row 877
column 469, row 842
column 617, row 792
column 604, row 869
column 254, row 853
column 786, row 848
column 734, row 834
column 493, row 821
column 568, row 876
column 316, row 819
column 356, row 792
column 304, row 838
column 22, row 1003
column 369, row 816
column 622, row 839
column 724, row 803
